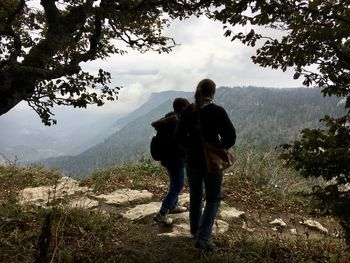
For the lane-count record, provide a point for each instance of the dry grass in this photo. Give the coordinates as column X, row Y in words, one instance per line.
column 87, row 236
column 82, row 236
column 146, row 175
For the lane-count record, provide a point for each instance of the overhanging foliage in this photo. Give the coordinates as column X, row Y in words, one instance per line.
column 42, row 47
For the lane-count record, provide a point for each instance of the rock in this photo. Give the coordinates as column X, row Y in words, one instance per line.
column 68, row 186
column 141, row 211
column 83, row 202
column 180, row 230
column 227, row 212
column 123, row 196
column 223, row 205
column 38, row 196
column 293, row 231
column 344, row 188
column 315, row 225
column 184, row 199
column 181, row 216
column 183, row 230
column 42, row 195
column 278, row 222
column 220, row 227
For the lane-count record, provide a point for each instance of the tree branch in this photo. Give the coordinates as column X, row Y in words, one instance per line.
column 45, row 74
column 342, row 56
column 326, row 15
column 8, row 31
column 94, row 41
column 11, row 18
column 51, row 11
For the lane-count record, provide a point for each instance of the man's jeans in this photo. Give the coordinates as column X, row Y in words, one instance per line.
column 201, row 224
column 176, row 176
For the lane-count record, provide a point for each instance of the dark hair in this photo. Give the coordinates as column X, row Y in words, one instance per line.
column 206, row 87
column 180, row 104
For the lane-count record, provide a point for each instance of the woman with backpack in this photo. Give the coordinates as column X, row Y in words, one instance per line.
column 204, row 121
column 172, row 158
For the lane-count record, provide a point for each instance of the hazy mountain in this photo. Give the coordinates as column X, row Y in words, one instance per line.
column 127, row 144
column 264, row 116
column 154, row 101
column 261, row 116
column 22, row 141
column 24, row 138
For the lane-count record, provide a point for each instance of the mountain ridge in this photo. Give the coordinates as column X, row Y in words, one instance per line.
column 261, row 116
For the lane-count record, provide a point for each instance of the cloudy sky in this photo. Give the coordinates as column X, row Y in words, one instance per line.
column 203, row 52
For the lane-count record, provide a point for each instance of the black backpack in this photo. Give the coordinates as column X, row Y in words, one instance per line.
column 161, row 144
column 156, row 147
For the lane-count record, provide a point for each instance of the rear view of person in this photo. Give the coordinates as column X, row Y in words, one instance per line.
column 172, row 158
column 201, row 122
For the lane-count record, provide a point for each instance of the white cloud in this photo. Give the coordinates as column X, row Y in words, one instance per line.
column 129, row 99
column 203, row 52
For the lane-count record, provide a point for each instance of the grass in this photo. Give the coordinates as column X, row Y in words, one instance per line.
column 257, row 184
column 82, row 236
column 14, row 179
column 146, row 175
column 260, row 181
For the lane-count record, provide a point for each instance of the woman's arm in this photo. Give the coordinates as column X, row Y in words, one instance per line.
column 227, row 131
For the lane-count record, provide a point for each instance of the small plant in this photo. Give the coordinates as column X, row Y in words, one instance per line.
column 261, row 173
column 325, row 153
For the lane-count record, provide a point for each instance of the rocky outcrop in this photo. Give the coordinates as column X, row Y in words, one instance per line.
column 227, row 212
column 278, row 222
column 315, row 225
column 141, row 211
column 43, row 195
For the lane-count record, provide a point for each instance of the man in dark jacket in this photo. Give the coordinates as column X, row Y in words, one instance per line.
column 172, row 160
column 208, row 122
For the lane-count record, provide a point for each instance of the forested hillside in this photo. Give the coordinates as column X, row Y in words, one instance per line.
column 262, row 117
column 272, row 116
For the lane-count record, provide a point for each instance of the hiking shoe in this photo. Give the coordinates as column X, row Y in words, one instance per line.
column 206, row 245
column 163, row 219
column 178, row 209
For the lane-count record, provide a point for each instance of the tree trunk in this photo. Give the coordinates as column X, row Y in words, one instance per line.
column 14, row 89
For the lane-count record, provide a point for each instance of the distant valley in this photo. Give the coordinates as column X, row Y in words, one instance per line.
column 24, row 139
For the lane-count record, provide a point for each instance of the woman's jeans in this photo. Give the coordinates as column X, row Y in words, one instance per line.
column 176, row 176
column 201, row 223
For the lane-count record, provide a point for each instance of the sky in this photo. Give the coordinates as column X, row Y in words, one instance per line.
column 203, row 52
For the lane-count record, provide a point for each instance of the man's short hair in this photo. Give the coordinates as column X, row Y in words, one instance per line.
column 179, row 104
